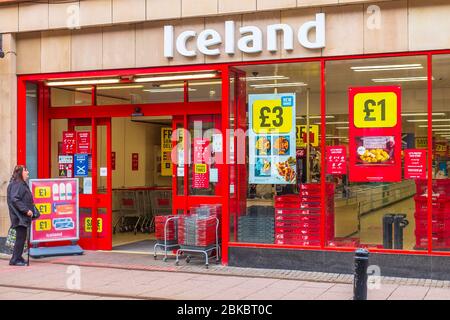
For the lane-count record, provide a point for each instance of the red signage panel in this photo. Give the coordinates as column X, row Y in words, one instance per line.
column 375, row 133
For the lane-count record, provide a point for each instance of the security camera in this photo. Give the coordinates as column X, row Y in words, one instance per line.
column 2, row 54
column 255, row 73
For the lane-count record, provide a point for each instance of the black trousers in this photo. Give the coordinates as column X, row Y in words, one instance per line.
column 21, row 237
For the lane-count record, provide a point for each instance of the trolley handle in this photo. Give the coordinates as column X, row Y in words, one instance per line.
column 165, row 229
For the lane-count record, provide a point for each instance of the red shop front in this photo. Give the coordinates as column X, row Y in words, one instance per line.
column 349, row 212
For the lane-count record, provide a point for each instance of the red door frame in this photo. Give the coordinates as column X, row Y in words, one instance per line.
column 224, row 68
column 96, row 200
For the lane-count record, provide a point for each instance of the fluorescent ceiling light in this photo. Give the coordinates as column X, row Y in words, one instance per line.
column 422, row 114
column 190, row 76
column 342, row 128
column 388, row 67
column 262, row 78
column 441, row 129
column 336, row 122
column 82, row 82
column 164, row 90
column 191, row 84
column 278, row 85
column 426, row 120
column 316, row 117
column 121, row 87
column 436, row 126
column 406, row 79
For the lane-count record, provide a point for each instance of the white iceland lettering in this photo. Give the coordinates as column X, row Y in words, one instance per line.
column 209, row 41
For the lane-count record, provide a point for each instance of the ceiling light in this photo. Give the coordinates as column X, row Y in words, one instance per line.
column 436, row 126
column 278, row 85
column 164, row 90
column 177, row 77
column 426, row 120
column 388, row 67
column 406, row 79
column 191, row 84
column 82, row 82
column 336, row 122
column 342, row 128
column 262, row 78
column 422, row 114
column 441, row 129
column 320, row 117
column 121, row 87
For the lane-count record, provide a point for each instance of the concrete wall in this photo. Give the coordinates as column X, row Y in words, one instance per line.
column 55, row 14
column 406, row 25
column 8, row 127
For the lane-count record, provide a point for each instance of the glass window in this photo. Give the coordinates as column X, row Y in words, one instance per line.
column 205, row 90
column 71, row 96
column 139, row 93
column 376, row 214
column 441, row 153
column 266, row 217
column 32, row 127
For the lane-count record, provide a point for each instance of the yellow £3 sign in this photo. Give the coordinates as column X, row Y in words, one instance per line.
column 270, row 116
column 375, row 110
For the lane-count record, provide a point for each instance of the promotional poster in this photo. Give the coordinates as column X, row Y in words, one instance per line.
column 272, row 139
column 375, row 134
column 57, row 201
column 336, row 160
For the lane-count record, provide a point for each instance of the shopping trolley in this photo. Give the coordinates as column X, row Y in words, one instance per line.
column 166, row 229
column 198, row 233
column 161, row 204
column 130, row 216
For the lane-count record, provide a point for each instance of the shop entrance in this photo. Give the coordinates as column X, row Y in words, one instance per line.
column 137, row 170
column 88, row 161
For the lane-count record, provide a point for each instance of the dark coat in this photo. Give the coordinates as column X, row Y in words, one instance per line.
column 20, row 201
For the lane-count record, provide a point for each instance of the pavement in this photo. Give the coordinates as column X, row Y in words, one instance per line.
column 113, row 275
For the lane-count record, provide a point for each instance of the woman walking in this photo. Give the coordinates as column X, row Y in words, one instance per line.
column 21, row 208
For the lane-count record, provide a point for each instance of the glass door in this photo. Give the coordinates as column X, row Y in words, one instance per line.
column 94, row 141
column 199, row 161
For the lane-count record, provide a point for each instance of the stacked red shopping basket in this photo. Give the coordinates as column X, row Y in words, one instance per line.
column 440, row 214
column 298, row 217
column 170, row 234
column 199, row 229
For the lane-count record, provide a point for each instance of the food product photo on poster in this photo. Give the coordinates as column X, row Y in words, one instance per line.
column 375, row 134
column 272, row 139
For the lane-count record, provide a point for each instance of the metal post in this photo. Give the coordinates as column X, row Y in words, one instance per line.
column 360, row 276
column 400, row 223
column 388, row 219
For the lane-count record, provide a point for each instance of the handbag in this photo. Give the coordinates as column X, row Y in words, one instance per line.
column 36, row 213
column 11, row 238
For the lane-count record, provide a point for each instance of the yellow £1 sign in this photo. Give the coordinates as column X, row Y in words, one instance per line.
column 269, row 116
column 375, row 110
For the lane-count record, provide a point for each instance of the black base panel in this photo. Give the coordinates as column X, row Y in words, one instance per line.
column 391, row 265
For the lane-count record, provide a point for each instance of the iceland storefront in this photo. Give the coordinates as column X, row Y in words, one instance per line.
column 310, row 129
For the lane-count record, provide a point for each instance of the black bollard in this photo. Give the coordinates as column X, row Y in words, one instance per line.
column 388, row 220
column 400, row 223
column 360, row 276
